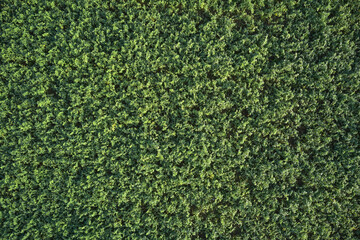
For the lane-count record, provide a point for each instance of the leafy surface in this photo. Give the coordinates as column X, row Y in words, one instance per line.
column 179, row 119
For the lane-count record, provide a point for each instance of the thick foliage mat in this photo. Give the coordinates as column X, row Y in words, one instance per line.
column 179, row 119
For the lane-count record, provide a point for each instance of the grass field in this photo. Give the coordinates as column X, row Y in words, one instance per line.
column 179, row 119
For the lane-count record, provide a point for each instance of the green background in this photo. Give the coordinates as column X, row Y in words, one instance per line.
column 179, row 119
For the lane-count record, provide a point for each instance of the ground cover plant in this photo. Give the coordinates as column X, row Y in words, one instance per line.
column 179, row 119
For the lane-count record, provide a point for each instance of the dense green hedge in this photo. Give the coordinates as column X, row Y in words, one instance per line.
column 179, row 119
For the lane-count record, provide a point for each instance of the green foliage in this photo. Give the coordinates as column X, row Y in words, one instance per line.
column 179, row 119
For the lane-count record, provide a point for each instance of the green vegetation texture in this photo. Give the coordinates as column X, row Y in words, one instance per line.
column 182, row 119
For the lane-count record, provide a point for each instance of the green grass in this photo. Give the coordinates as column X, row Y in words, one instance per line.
column 179, row 119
